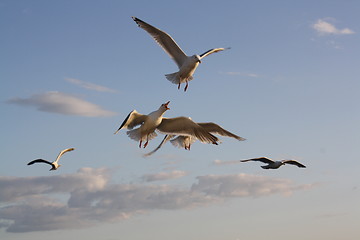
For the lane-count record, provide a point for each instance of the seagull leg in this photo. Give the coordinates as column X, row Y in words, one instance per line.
column 179, row 85
column 140, row 143
column 187, row 84
column 147, row 141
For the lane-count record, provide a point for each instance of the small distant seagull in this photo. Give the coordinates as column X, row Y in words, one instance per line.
column 274, row 164
column 187, row 64
column 54, row 164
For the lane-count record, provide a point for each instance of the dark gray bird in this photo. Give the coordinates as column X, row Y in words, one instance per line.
column 54, row 164
column 187, row 64
column 274, row 164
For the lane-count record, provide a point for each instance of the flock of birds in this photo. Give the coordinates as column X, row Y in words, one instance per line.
column 180, row 131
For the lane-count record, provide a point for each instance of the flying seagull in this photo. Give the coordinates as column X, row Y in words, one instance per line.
column 185, row 141
column 274, row 164
column 54, row 164
column 187, row 64
column 148, row 124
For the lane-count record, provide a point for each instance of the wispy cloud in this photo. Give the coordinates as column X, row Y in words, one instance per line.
column 252, row 75
column 90, row 86
column 93, row 198
column 326, row 28
column 62, row 103
column 163, row 176
column 219, row 162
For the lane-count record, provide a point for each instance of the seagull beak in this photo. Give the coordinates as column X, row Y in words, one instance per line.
column 166, row 105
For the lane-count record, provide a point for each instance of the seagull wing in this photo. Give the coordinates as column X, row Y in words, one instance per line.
column 39, row 161
column 185, row 126
column 165, row 140
column 293, row 162
column 62, row 153
column 262, row 159
column 214, row 50
column 165, row 41
column 133, row 119
column 216, row 129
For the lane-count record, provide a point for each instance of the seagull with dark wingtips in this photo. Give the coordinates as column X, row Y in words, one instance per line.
column 187, row 64
column 184, row 141
column 54, row 164
column 274, row 164
column 148, row 123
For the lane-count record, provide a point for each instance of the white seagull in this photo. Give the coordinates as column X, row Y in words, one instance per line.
column 54, row 164
column 185, row 141
column 274, row 164
column 148, row 124
column 186, row 64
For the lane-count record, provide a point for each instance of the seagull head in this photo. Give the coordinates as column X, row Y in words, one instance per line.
column 197, row 58
column 165, row 105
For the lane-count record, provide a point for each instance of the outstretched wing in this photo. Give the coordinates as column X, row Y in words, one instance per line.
column 39, row 161
column 262, row 159
column 293, row 162
column 133, row 119
column 214, row 50
column 185, row 126
column 216, row 129
column 165, row 140
column 63, row 152
column 165, row 41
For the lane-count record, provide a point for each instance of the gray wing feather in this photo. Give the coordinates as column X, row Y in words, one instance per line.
column 185, row 126
column 211, row 51
column 293, row 162
column 133, row 119
column 262, row 159
column 167, row 43
column 216, row 129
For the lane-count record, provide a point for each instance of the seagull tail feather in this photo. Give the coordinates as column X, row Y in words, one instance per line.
column 173, row 77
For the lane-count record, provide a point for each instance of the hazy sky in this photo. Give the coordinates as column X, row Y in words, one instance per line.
column 71, row 71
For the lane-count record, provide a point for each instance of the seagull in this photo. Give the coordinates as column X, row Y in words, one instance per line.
column 184, row 126
column 185, row 141
column 274, row 164
column 54, row 164
column 148, row 124
column 187, row 64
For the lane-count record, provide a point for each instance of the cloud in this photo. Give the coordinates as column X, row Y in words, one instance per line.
column 219, row 162
column 62, row 103
column 89, row 197
column 163, row 176
column 89, row 86
column 326, row 28
column 252, row 75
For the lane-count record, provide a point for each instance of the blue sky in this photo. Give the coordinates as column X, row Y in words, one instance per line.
column 72, row 71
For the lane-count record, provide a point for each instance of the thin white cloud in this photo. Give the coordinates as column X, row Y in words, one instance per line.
column 326, row 28
column 89, row 86
column 62, row 103
column 163, row 176
column 252, row 75
column 89, row 197
column 219, row 162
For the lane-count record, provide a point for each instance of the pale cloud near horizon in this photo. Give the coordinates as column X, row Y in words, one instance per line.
column 163, row 176
column 326, row 28
column 89, row 86
column 90, row 197
column 62, row 103
column 219, row 162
